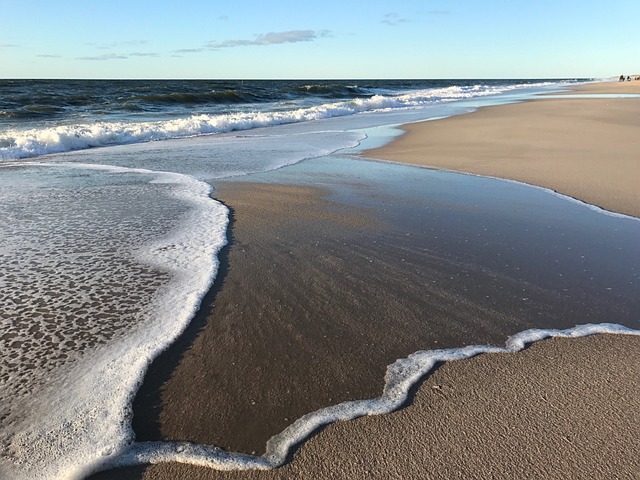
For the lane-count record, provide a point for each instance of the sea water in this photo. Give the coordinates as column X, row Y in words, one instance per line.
column 107, row 252
column 102, row 266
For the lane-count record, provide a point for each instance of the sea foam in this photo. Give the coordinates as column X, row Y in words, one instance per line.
column 400, row 377
column 77, row 428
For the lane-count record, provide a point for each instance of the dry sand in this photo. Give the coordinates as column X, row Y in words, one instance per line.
column 563, row 408
column 609, row 87
column 584, row 148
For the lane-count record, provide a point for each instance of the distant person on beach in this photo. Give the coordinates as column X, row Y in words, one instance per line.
column 621, row 79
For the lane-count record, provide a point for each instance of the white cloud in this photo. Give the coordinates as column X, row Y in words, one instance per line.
column 189, row 50
column 105, row 57
column 393, row 19
column 123, row 43
column 144, row 54
column 272, row 38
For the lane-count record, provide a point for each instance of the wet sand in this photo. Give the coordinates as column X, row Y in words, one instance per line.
column 583, row 148
column 301, row 317
column 317, row 295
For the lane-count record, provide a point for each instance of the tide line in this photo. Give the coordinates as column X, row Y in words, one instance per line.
column 400, row 377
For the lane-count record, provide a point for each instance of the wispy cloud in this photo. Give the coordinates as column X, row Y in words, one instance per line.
column 272, row 38
column 133, row 42
column 439, row 12
column 189, row 50
column 123, row 43
column 7, row 45
column 144, row 54
column 393, row 19
column 105, row 57
column 223, row 17
column 46, row 55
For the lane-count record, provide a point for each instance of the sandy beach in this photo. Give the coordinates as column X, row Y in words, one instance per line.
column 609, row 87
column 318, row 292
column 583, row 148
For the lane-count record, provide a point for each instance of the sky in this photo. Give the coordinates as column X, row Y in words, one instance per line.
column 251, row 39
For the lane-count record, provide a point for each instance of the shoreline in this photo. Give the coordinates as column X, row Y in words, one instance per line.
column 595, row 164
column 309, row 213
column 495, row 414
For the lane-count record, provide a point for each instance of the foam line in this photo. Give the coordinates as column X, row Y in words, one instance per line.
column 400, row 377
column 80, row 428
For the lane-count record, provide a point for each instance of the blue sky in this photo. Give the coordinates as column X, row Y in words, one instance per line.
column 318, row 39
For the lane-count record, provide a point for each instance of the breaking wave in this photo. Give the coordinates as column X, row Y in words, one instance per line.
column 23, row 143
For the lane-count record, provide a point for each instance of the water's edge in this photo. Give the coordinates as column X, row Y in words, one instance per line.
column 401, row 376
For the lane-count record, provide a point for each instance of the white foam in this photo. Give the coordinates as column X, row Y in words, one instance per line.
column 214, row 157
column 16, row 143
column 401, row 376
column 77, row 427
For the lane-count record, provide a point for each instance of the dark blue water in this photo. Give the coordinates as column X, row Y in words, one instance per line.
column 25, row 100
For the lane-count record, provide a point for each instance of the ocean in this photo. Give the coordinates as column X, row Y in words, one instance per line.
column 38, row 117
column 109, row 237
